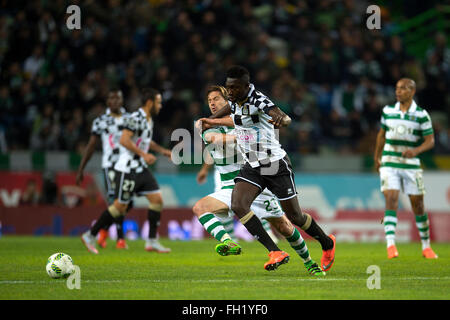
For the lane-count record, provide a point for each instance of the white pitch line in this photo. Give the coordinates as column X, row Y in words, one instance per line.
column 4, row 282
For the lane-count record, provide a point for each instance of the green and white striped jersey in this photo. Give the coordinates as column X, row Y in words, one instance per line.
column 404, row 130
column 226, row 158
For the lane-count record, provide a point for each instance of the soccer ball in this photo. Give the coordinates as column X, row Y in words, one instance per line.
column 59, row 265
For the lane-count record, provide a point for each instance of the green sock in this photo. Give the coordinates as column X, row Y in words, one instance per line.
column 228, row 225
column 296, row 241
column 213, row 226
column 390, row 223
column 423, row 224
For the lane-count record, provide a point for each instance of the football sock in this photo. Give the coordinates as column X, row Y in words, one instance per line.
column 423, row 224
column 228, row 225
column 256, row 229
column 103, row 222
column 390, row 223
column 153, row 221
column 299, row 245
column 119, row 226
column 266, row 225
column 317, row 233
column 213, row 226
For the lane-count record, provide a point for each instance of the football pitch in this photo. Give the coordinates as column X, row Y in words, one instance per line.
column 193, row 271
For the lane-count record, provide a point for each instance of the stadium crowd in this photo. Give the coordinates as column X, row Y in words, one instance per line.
column 316, row 59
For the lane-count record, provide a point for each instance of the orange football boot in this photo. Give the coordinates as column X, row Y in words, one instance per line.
column 102, row 236
column 121, row 244
column 328, row 256
column 428, row 253
column 392, row 252
column 276, row 258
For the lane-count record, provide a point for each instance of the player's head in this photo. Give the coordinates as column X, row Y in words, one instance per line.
column 216, row 96
column 114, row 100
column 237, row 83
column 152, row 99
column 405, row 90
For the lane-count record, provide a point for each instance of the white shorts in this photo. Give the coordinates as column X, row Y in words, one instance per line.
column 410, row 181
column 265, row 205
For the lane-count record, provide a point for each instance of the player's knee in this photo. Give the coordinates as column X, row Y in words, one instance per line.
column 199, row 208
column 239, row 208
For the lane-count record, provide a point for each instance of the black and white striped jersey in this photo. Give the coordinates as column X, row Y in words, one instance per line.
column 109, row 129
column 256, row 137
column 143, row 131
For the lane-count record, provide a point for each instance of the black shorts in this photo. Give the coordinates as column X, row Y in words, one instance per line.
column 129, row 184
column 277, row 176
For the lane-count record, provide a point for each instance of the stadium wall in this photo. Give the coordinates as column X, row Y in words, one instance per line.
column 349, row 205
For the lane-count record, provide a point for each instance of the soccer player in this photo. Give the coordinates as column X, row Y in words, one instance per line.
column 107, row 128
column 266, row 165
column 406, row 131
column 218, row 203
column 132, row 175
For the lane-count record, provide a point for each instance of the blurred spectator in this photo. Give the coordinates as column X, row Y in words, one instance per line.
column 312, row 57
column 49, row 193
column 31, row 195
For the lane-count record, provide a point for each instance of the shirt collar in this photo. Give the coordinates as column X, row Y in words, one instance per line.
column 122, row 110
column 412, row 107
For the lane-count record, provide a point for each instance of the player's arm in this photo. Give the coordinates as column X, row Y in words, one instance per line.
column 207, row 123
column 381, row 139
column 158, row 148
column 204, row 171
column 225, row 111
column 279, row 118
column 125, row 140
column 426, row 145
column 219, row 138
column 87, row 155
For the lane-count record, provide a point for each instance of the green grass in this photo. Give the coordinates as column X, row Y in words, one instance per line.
column 194, row 271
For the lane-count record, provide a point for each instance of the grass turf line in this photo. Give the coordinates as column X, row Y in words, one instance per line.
column 194, row 271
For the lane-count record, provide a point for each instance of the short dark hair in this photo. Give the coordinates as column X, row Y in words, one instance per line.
column 238, row 72
column 149, row 94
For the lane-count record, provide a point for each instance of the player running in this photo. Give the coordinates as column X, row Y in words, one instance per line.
column 406, row 131
column 132, row 175
column 108, row 129
column 266, row 165
column 222, row 144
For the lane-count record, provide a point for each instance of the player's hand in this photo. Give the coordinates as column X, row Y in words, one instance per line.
column 203, row 124
column 410, row 153
column 79, row 178
column 377, row 163
column 201, row 176
column 149, row 158
column 280, row 121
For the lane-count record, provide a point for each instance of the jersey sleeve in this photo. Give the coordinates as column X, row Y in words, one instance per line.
column 383, row 120
column 96, row 127
column 130, row 123
column 263, row 103
column 426, row 125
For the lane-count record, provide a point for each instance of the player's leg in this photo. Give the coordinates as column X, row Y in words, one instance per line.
column 119, row 207
column 415, row 189
column 390, row 186
column 283, row 186
column 296, row 241
column 244, row 193
column 154, row 216
column 267, row 208
column 206, row 210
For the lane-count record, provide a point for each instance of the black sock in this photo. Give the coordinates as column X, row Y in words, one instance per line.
column 255, row 227
column 153, row 221
column 105, row 220
column 317, row 233
column 119, row 225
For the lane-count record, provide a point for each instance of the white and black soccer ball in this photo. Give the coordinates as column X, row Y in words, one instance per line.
column 59, row 265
